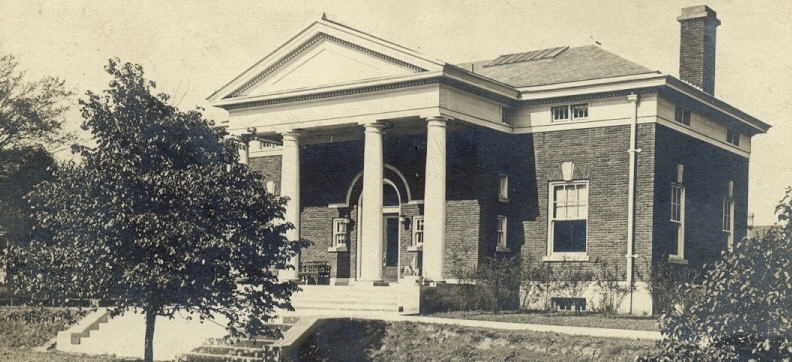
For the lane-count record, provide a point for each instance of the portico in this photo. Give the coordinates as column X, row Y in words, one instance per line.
column 386, row 94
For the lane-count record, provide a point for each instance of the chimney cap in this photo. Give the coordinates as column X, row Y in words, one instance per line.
column 698, row 12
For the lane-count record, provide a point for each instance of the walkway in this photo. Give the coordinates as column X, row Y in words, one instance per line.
column 395, row 317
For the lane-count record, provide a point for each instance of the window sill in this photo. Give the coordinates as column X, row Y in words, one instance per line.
column 502, row 249
column 676, row 259
column 337, row 249
column 415, row 247
column 566, row 257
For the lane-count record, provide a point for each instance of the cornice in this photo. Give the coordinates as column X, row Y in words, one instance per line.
column 308, row 44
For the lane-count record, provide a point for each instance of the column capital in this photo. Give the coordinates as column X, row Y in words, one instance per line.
column 436, row 121
column 374, row 127
column 293, row 135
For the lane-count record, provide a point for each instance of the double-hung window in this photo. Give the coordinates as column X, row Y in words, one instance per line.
column 340, row 234
column 678, row 218
column 503, row 188
column 568, row 224
column 677, row 252
column 417, row 231
column 501, row 233
column 728, row 217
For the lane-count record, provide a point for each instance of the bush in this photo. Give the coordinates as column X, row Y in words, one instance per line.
column 612, row 289
column 500, row 276
column 742, row 311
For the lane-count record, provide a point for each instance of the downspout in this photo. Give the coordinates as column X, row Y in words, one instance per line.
column 634, row 150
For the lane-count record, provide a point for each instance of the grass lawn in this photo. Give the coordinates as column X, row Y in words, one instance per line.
column 359, row 340
column 23, row 328
column 559, row 319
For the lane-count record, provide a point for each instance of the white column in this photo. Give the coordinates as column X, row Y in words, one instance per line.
column 244, row 149
column 290, row 187
column 371, row 232
column 435, row 199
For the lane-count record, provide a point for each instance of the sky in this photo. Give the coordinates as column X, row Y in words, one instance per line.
column 192, row 48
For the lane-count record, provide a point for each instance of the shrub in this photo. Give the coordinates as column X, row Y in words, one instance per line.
column 612, row 289
column 500, row 276
column 742, row 311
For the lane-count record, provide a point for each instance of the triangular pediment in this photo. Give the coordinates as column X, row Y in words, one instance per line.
column 326, row 54
column 327, row 63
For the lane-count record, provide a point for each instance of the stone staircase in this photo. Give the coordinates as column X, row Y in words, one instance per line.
column 259, row 349
column 122, row 336
column 359, row 298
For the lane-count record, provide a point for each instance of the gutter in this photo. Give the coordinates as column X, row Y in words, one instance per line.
column 634, row 99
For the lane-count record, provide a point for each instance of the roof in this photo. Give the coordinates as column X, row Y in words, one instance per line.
column 570, row 64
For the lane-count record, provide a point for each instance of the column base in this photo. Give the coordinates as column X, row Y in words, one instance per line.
column 288, row 275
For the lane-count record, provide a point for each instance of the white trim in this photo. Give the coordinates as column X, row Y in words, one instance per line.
column 587, row 124
column 561, row 256
column 680, row 234
column 679, row 127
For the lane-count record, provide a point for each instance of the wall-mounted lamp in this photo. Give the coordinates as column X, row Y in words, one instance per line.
column 405, row 221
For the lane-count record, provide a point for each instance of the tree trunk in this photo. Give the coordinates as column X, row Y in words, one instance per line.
column 148, row 354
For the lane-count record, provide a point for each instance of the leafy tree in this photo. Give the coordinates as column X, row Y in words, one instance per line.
column 21, row 168
column 742, row 310
column 30, row 112
column 159, row 217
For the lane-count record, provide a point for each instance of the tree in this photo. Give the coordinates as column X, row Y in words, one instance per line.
column 30, row 115
column 742, row 310
column 21, row 168
column 159, row 217
column 30, row 112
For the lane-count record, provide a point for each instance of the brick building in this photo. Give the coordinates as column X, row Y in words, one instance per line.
column 400, row 167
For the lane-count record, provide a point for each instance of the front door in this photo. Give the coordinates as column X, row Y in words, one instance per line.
column 390, row 247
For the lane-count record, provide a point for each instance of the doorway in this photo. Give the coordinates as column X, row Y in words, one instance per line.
column 390, row 247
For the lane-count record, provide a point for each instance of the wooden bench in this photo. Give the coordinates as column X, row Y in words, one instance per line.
column 317, row 272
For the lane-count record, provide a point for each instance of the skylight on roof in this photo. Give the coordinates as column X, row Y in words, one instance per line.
column 528, row 56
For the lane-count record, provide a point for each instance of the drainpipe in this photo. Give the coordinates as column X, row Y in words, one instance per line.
column 634, row 99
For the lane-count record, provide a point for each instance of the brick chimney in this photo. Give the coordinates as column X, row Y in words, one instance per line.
column 697, row 47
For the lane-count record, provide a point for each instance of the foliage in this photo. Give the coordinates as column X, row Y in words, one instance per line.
column 500, row 276
column 537, row 284
column 612, row 288
column 461, row 269
column 742, row 311
column 30, row 112
column 160, row 217
column 662, row 283
column 540, row 282
column 21, row 168
column 30, row 327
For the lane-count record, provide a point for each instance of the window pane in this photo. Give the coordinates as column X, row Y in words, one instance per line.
column 569, row 236
column 579, row 110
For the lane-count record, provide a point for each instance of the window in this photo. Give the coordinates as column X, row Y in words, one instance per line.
column 340, row 233
column 418, row 231
column 579, row 111
column 678, row 217
column 682, row 115
column 501, row 234
column 562, row 113
column 503, row 188
column 568, row 217
column 733, row 136
column 728, row 216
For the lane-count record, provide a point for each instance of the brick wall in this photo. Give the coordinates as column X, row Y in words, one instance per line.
column 707, row 170
column 600, row 156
